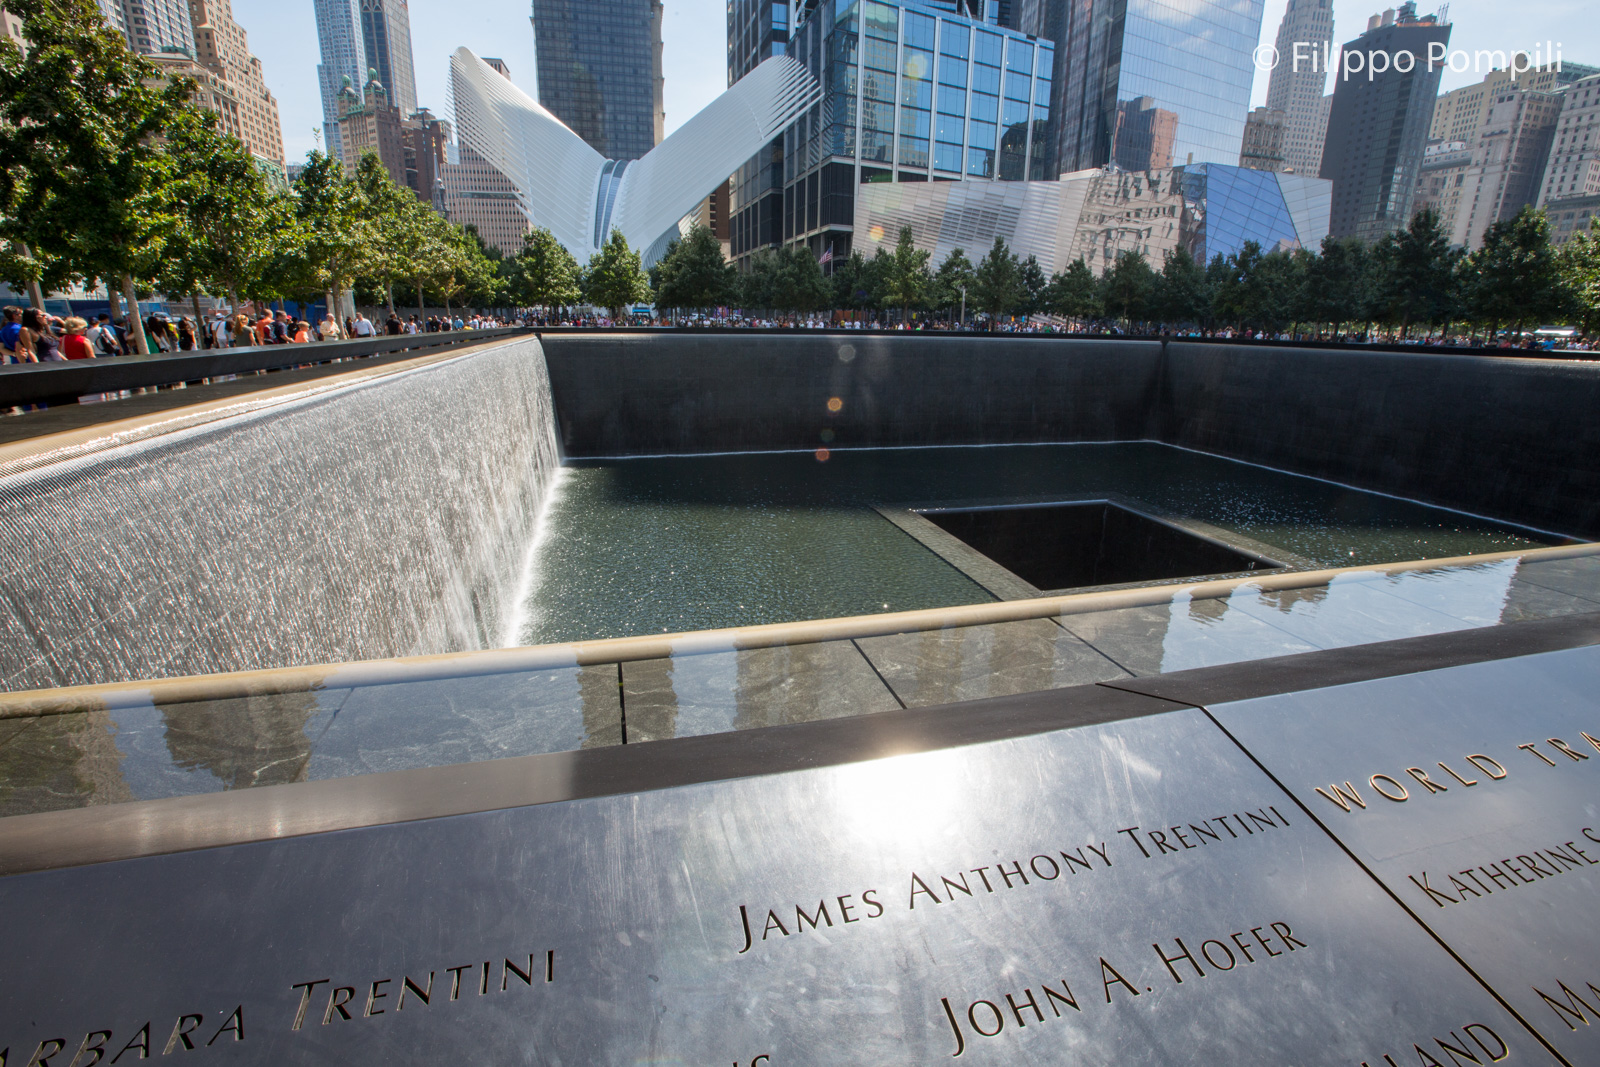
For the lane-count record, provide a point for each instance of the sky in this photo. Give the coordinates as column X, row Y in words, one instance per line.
column 284, row 36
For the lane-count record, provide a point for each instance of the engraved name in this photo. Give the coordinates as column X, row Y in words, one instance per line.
column 1471, row 770
column 1530, row 868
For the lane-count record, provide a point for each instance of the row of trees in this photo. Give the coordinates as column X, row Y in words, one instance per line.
column 110, row 174
column 1410, row 280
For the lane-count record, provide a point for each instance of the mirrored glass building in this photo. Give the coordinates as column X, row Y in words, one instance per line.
column 1209, row 209
column 1147, row 84
column 599, row 71
column 914, row 93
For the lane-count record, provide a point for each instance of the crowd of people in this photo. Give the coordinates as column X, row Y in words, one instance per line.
column 29, row 335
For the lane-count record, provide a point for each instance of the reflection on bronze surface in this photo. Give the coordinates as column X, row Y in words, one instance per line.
column 600, row 689
column 245, row 742
column 62, row 761
column 1285, row 599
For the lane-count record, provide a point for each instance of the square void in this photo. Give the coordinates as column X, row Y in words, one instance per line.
column 1069, row 546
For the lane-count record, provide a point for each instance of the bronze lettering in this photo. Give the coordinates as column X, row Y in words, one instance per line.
column 871, row 901
column 1183, row 954
column 744, row 921
column 1576, row 1006
column 1241, row 946
column 1133, row 835
column 999, row 1020
column 373, row 996
column 1016, row 1009
column 140, row 1041
column 1462, row 888
column 1580, row 853
column 1055, row 868
column 1476, row 756
column 1425, row 1057
column 1373, row 781
column 483, row 985
column 180, row 1032
column 801, row 918
column 1427, row 783
column 455, row 976
column 98, row 1048
column 1470, row 874
column 1016, row 869
column 1496, row 875
column 1256, row 932
column 1536, row 752
column 844, row 910
column 1287, row 935
column 1206, row 952
column 979, row 872
column 952, row 887
column 336, row 1003
column 1159, row 839
column 1457, row 1050
column 305, row 999
column 1101, row 852
column 1115, row 979
column 1184, row 841
column 233, row 1023
column 772, row 921
column 1438, row 896
column 549, row 966
column 1223, row 820
column 1244, row 824
column 1204, row 831
column 1075, row 859
column 41, row 1055
column 512, row 969
column 1514, row 869
column 949, row 1013
column 1340, row 797
column 1456, row 776
column 1533, row 865
column 1494, row 1057
column 1592, row 742
column 1262, row 820
column 917, row 886
column 1051, row 997
column 1566, row 749
column 422, row 994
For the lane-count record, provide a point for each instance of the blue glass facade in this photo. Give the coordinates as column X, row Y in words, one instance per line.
column 1148, row 84
column 912, row 93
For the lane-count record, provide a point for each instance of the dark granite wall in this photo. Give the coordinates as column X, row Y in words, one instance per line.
column 1515, row 439
column 639, row 394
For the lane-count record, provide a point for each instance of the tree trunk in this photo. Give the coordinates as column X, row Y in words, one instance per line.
column 141, row 345
column 389, row 291
column 199, row 322
column 112, row 303
column 419, row 300
column 35, row 293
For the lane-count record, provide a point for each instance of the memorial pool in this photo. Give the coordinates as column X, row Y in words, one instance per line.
column 677, row 543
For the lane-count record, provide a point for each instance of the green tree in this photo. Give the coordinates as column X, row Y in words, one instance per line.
column 952, row 280
column 1126, row 288
column 395, row 223
column 1515, row 276
column 1579, row 265
column 1272, row 297
column 799, row 284
column 1416, row 274
column 997, row 283
column 332, row 218
column 1074, row 292
column 613, row 279
column 1034, row 285
column 81, row 169
column 1339, row 283
column 548, row 274
column 1181, row 293
column 906, row 281
column 853, row 282
column 694, row 274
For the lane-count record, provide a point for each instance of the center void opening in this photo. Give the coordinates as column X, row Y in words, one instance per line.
column 1088, row 543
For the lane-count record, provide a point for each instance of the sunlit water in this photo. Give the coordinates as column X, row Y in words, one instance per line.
column 651, row 545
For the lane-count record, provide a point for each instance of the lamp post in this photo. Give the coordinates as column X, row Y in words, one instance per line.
column 963, row 306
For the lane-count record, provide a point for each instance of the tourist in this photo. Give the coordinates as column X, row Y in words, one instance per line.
column 155, row 333
column 282, row 328
column 187, row 339
column 392, row 325
column 349, row 327
column 38, row 333
column 104, row 336
column 10, row 333
column 457, row 323
column 75, row 345
column 219, row 329
column 330, row 327
column 244, row 334
column 263, row 328
column 412, row 326
column 302, row 332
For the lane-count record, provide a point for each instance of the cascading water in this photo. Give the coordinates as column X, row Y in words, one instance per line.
column 391, row 517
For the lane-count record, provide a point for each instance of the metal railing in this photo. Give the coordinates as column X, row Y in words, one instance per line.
column 64, row 383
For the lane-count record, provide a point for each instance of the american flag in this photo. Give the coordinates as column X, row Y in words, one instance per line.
column 827, row 257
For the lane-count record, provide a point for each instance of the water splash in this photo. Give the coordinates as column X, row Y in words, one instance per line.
column 386, row 519
column 522, row 612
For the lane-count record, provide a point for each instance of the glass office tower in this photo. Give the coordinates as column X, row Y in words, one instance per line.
column 1148, row 84
column 911, row 93
column 599, row 71
column 757, row 31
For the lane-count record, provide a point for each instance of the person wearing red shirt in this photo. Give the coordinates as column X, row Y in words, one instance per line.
column 75, row 345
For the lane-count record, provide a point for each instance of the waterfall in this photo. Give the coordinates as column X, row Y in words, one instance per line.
column 389, row 517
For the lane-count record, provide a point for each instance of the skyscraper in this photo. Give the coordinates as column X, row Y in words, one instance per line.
column 598, row 64
column 386, row 38
column 1295, row 87
column 344, row 59
column 757, row 30
column 1191, row 60
column 1378, row 126
column 156, row 26
column 223, row 47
